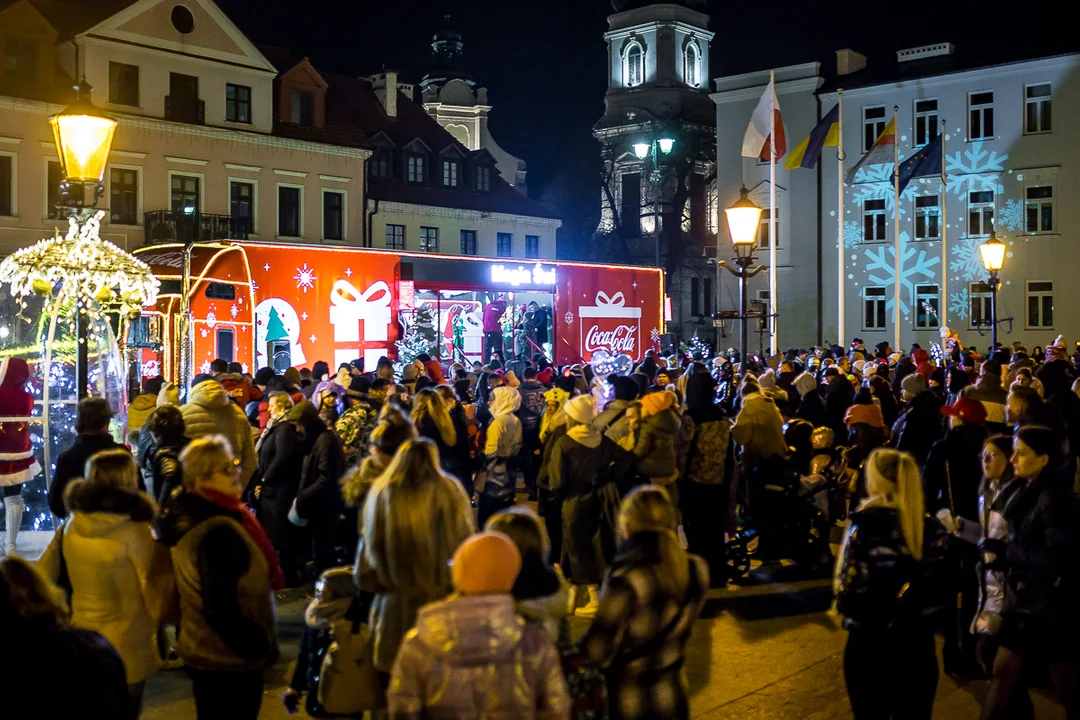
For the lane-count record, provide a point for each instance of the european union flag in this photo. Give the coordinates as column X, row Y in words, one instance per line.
column 925, row 162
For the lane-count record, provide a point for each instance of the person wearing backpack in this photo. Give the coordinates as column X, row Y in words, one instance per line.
column 530, row 412
column 705, row 464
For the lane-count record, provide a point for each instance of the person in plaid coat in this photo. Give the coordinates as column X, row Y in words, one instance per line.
column 650, row 599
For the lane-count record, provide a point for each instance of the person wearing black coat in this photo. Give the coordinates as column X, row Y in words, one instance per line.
column 1041, row 560
column 281, row 465
column 161, row 464
column 92, row 426
column 952, row 479
column 458, row 460
column 919, row 427
column 839, row 396
column 318, row 498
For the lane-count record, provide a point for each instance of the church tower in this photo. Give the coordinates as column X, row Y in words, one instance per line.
column 659, row 205
column 452, row 97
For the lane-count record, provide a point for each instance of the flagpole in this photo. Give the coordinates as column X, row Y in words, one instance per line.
column 898, row 246
column 773, row 343
column 943, row 310
column 841, row 279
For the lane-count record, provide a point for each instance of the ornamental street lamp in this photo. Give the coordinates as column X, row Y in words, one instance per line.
column 83, row 137
column 743, row 219
column 993, row 259
column 659, row 146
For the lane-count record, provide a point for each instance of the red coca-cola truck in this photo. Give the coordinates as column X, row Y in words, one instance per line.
column 286, row 306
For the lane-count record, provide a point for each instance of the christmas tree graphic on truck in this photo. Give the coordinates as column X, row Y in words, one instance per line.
column 278, row 347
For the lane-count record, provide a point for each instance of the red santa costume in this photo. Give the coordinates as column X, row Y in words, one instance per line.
column 17, row 463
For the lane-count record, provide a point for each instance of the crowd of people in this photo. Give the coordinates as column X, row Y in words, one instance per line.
column 953, row 477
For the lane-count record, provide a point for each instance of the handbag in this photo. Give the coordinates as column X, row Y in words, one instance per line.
column 348, row 682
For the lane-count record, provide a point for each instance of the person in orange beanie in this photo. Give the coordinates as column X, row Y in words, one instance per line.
column 472, row 655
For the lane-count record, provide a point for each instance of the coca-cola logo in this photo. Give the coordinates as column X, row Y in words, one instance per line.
column 622, row 339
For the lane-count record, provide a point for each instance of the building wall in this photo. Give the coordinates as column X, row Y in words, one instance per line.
column 157, row 149
column 450, row 222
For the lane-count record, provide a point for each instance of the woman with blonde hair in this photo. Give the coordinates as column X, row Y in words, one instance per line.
column 889, row 589
column 104, row 553
column 226, row 571
column 433, row 422
column 648, row 606
column 414, row 518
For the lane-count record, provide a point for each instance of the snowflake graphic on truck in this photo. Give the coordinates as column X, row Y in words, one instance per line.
column 915, row 266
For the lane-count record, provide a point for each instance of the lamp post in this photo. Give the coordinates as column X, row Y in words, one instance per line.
column 993, row 258
column 83, row 137
column 658, row 146
column 743, row 220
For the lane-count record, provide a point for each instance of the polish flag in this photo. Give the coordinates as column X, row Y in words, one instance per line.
column 756, row 141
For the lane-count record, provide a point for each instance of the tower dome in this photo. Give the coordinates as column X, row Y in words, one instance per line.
column 621, row 5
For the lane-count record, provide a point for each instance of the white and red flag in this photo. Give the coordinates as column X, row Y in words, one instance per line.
column 763, row 122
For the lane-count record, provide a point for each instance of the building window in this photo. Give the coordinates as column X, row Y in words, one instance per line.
column 1039, row 210
column 450, row 173
column 504, row 244
column 53, row 177
column 874, row 221
column 532, row 246
column 927, row 306
column 289, row 211
column 242, row 205
column 483, row 178
column 379, row 163
column 981, row 116
column 20, row 60
column 184, row 194
column 874, row 308
column 1037, row 108
column 981, row 213
column 633, row 65
column 630, row 212
column 395, row 237
column 302, row 108
column 468, row 242
column 873, row 120
column 690, row 64
column 927, row 218
column 429, row 239
column 763, row 229
column 1040, row 304
column 979, row 294
column 695, row 298
column 7, row 184
column 414, row 169
column 333, row 209
column 123, row 196
column 707, row 296
column 123, row 84
column 926, row 122
column 237, row 103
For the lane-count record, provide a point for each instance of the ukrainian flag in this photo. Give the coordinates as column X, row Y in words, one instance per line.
column 808, row 152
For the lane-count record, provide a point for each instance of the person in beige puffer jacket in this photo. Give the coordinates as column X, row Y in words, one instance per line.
column 209, row 411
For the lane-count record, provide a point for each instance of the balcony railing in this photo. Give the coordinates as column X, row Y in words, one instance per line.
column 185, row 111
column 169, row 226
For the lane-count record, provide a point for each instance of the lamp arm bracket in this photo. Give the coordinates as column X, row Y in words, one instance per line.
column 755, row 271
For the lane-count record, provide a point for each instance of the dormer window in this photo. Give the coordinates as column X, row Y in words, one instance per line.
column 691, row 62
column 634, row 64
column 450, row 170
column 379, row 164
column 483, row 178
column 302, row 108
column 414, row 169
column 20, row 60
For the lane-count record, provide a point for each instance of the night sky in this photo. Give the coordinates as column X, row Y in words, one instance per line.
column 543, row 61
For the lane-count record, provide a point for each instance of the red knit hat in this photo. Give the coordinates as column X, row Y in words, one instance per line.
column 967, row 409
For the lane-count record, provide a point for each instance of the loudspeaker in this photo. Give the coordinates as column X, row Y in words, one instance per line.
column 668, row 346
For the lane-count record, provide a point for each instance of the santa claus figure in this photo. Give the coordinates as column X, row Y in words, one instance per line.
column 17, row 463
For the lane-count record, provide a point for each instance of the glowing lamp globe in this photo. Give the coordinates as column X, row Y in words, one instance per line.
column 993, row 254
column 83, row 136
column 666, row 145
column 743, row 219
column 641, row 150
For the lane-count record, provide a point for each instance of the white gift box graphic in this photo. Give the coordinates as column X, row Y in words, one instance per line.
column 351, row 308
column 609, row 325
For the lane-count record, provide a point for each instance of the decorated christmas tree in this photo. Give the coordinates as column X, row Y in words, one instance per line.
column 275, row 329
column 419, row 337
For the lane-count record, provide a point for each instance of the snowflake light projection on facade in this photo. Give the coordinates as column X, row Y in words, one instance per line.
column 966, row 260
column 974, row 170
column 1012, row 215
column 959, row 304
column 853, row 234
column 915, row 266
column 305, row 278
column 875, row 182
